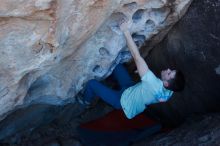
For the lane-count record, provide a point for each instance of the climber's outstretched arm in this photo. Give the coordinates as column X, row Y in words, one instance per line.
column 139, row 61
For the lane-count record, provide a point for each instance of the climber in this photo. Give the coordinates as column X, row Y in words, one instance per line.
column 134, row 98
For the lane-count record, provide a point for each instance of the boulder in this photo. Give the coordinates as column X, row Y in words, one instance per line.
column 51, row 48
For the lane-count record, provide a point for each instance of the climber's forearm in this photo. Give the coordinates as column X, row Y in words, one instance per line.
column 131, row 45
column 139, row 61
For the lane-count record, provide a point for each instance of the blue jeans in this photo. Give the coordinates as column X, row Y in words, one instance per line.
column 96, row 89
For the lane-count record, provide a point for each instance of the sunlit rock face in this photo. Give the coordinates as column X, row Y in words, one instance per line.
column 50, row 48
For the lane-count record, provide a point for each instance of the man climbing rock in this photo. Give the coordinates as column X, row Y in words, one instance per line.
column 134, row 98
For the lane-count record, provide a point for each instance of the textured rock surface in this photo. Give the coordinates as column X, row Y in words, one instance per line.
column 193, row 46
column 197, row 130
column 63, row 129
column 52, row 47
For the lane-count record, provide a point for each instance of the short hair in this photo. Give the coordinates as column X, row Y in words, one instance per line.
column 177, row 83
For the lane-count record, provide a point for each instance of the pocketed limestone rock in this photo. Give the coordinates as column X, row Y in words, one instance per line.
column 53, row 47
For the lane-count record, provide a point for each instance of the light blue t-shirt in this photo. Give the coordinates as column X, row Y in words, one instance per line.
column 150, row 90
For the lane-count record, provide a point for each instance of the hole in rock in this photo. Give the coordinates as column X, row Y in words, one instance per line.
column 137, row 16
column 97, row 69
column 130, row 5
column 138, row 39
column 116, row 19
column 103, row 51
column 149, row 25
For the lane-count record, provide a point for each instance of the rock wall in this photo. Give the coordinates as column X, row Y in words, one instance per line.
column 197, row 130
column 193, row 47
column 50, row 48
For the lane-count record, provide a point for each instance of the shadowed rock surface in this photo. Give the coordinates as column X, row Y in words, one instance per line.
column 197, row 130
column 193, row 47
